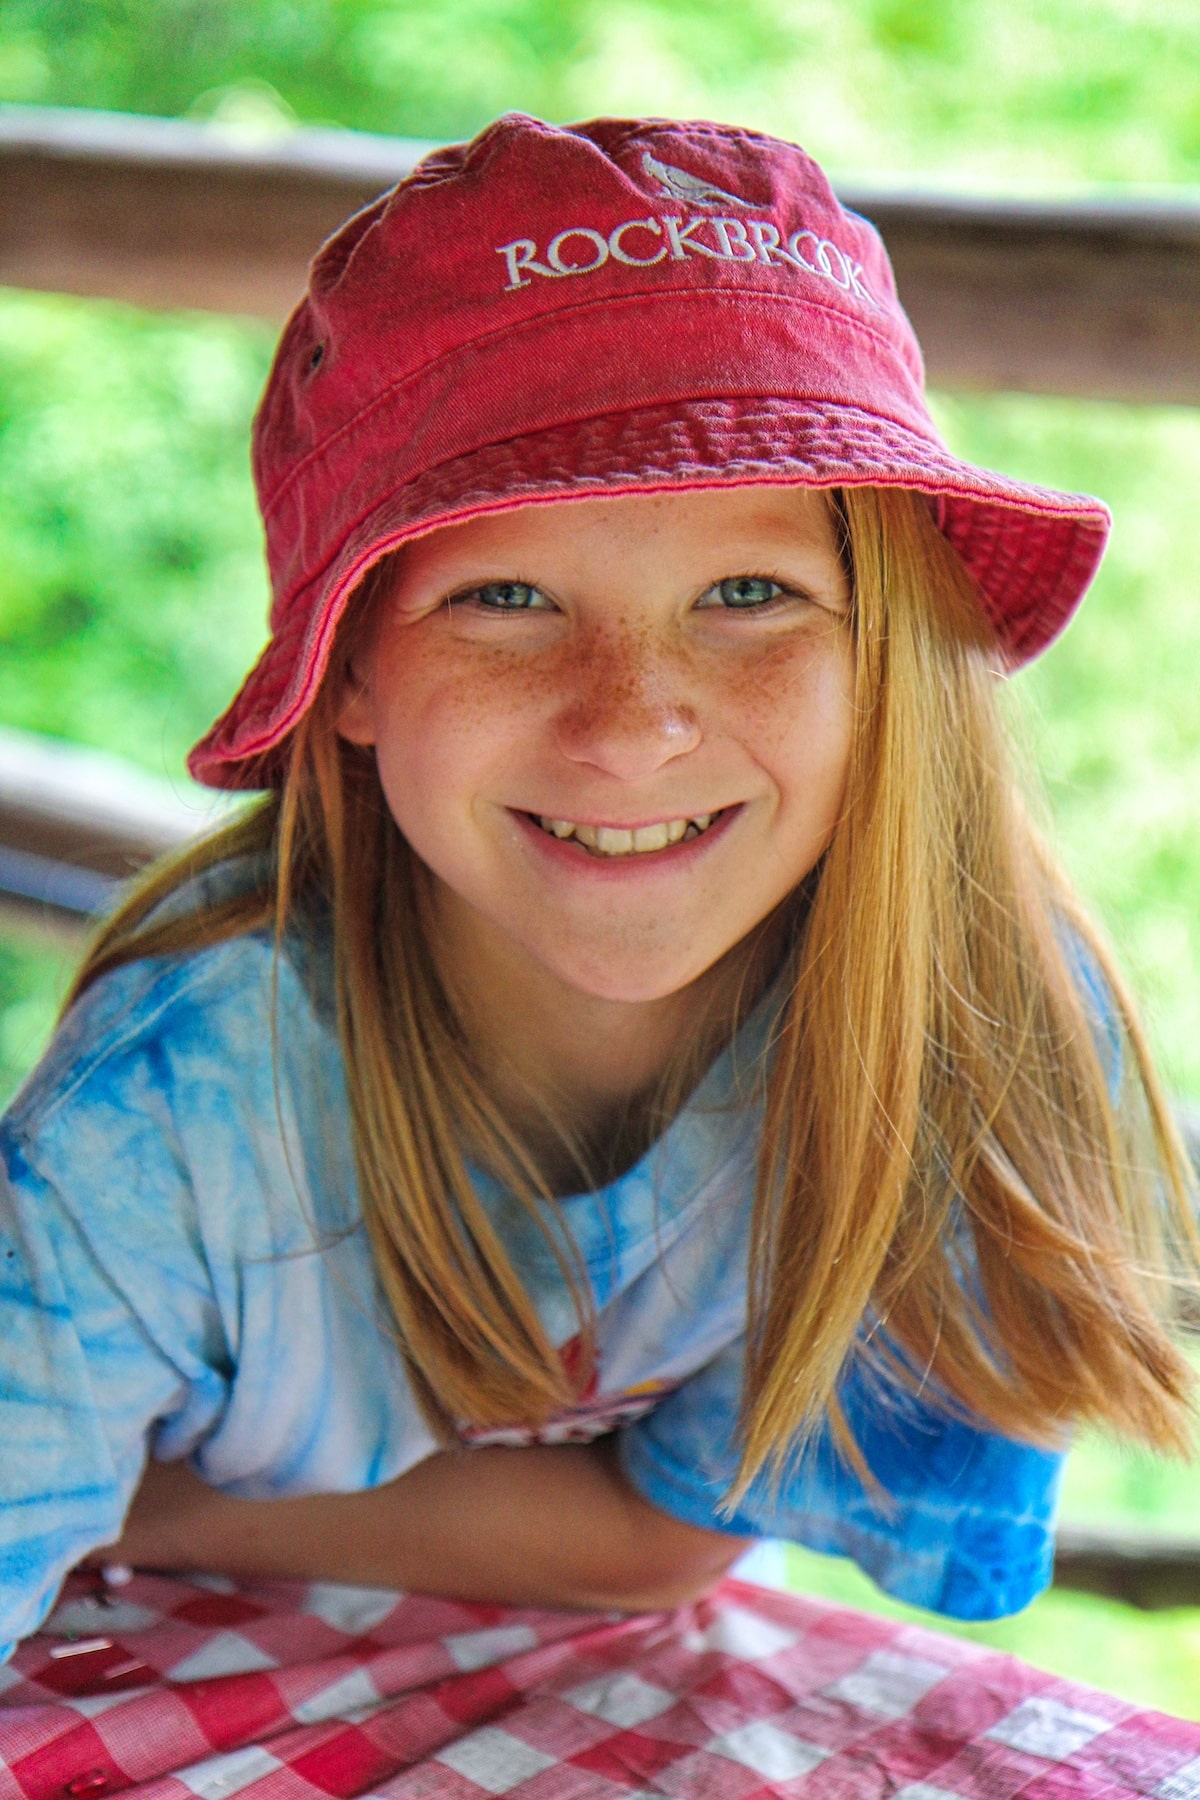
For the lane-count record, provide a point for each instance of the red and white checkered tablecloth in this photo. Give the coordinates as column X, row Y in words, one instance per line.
column 200, row 1690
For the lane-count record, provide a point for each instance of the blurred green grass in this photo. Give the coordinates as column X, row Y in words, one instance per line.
column 1111, row 714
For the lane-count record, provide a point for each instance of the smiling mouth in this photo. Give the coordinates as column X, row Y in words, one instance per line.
column 615, row 840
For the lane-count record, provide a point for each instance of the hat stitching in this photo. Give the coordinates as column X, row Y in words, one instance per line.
column 921, row 449
column 1019, row 497
column 539, row 320
column 285, row 599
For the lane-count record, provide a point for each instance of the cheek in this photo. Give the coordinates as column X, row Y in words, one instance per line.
column 443, row 726
column 798, row 708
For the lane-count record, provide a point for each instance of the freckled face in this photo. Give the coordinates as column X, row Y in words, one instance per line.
column 616, row 731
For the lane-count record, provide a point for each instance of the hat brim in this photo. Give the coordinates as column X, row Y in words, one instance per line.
column 1031, row 551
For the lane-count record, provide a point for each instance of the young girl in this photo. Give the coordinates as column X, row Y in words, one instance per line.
column 636, row 1082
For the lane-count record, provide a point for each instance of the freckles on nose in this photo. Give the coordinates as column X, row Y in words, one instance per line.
column 623, row 684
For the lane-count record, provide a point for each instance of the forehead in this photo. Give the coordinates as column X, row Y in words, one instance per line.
column 760, row 518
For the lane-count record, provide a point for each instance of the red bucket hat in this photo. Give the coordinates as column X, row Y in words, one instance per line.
column 616, row 307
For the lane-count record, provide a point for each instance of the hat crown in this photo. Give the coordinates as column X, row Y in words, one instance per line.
column 531, row 220
column 624, row 306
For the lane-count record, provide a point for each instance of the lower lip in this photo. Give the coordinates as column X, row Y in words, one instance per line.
column 565, row 853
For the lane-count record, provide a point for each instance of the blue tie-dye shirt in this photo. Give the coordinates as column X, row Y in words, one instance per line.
column 184, row 1272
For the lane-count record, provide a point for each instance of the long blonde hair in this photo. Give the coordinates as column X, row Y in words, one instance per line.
column 949, row 1183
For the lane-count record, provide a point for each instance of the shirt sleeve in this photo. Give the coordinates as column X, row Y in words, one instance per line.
column 183, row 1268
column 108, row 1325
column 961, row 1522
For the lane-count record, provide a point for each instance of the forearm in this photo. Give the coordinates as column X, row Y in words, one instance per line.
column 545, row 1526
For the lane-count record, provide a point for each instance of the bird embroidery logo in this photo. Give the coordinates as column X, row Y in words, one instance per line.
column 693, row 190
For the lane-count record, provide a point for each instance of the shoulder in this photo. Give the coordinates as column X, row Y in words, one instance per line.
column 181, row 1078
column 188, row 1006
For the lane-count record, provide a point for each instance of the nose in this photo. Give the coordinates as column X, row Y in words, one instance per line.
column 626, row 710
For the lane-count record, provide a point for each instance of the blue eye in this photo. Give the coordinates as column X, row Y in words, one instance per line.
column 743, row 592
column 509, row 596
column 747, row 590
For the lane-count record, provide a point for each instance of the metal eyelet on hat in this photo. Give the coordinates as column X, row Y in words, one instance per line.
column 315, row 358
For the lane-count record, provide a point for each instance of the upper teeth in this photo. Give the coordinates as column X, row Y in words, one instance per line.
column 613, row 840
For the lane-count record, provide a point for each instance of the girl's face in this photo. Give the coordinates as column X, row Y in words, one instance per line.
column 616, row 731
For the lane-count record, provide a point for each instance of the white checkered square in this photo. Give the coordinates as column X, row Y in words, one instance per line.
column 354, row 1610
column 743, row 1634
column 1184, row 1784
column 494, row 1760
column 764, row 1564
column 925, row 1790
column 90, row 1706
column 225, row 1653
column 1045, row 1727
column 219, row 1776
column 480, row 1649
column 888, row 1682
column 87, row 1618
column 348, row 1695
column 772, row 1753
column 620, row 1699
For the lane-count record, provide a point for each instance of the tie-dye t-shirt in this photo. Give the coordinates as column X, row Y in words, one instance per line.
column 184, row 1272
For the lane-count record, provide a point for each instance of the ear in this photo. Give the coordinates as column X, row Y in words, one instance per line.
column 354, row 717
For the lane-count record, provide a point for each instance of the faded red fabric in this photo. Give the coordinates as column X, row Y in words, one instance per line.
column 616, row 307
column 290, row 1692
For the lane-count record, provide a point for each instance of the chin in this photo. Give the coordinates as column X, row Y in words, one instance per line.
column 629, row 986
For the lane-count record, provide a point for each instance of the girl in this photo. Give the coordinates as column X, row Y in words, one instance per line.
column 636, row 1081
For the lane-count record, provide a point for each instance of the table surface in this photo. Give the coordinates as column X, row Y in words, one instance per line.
column 168, row 1688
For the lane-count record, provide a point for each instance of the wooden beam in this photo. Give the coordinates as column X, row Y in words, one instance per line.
column 164, row 213
column 1144, row 1570
column 76, row 822
column 1095, row 297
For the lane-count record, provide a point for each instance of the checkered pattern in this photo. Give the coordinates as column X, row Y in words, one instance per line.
column 200, row 1690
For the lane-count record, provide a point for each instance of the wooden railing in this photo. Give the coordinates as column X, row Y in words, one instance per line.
column 1096, row 297
column 1147, row 1570
column 74, row 824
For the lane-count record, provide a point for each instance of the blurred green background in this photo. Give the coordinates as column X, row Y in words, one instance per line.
column 131, row 590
